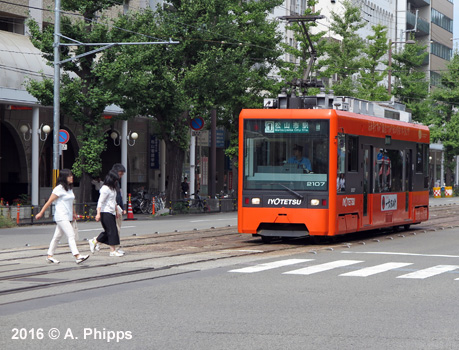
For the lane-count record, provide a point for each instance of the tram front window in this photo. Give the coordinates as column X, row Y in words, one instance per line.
column 286, row 153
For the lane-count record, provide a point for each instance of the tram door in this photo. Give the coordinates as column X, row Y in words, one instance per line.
column 367, row 186
column 408, row 176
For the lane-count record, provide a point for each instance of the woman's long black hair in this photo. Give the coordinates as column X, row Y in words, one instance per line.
column 62, row 179
column 112, row 180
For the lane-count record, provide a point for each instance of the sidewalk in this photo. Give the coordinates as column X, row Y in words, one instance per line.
column 434, row 202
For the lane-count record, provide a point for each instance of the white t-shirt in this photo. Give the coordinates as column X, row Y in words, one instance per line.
column 63, row 205
column 107, row 200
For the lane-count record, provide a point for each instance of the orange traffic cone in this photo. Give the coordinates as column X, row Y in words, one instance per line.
column 130, row 213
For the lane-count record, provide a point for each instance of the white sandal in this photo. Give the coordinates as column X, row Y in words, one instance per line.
column 51, row 260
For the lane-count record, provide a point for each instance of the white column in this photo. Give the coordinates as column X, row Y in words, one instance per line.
column 457, row 170
column 192, row 162
column 442, row 169
column 124, row 144
column 35, row 154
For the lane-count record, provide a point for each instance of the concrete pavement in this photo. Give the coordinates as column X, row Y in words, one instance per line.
column 41, row 234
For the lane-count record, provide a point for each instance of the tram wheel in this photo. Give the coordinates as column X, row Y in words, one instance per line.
column 407, row 227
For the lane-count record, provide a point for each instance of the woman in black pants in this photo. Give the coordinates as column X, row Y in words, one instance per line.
column 106, row 214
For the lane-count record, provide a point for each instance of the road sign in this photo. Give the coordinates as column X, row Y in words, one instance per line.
column 63, row 136
column 197, row 123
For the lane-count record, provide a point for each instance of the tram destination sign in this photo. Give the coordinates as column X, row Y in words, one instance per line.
column 272, row 127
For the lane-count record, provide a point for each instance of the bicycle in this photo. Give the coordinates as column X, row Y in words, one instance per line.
column 198, row 203
column 160, row 201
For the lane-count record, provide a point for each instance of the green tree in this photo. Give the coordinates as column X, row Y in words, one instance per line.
column 371, row 76
column 83, row 96
column 410, row 85
column 226, row 50
column 444, row 121
column 344, row 56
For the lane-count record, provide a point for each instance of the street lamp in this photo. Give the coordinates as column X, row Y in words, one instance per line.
column 114, row 136
column 117, row 138
column 132, row 136
column 27, row 129
column 389, row 72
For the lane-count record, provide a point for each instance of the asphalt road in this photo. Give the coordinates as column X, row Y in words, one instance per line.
column 393, row 292
column 345, row 298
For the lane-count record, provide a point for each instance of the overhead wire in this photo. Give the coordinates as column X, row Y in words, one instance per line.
column 234, row 41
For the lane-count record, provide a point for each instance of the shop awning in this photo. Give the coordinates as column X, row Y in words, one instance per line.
column 19, row 61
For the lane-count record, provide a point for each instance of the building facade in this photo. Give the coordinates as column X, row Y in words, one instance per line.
column 26, row 150
column 26, row 127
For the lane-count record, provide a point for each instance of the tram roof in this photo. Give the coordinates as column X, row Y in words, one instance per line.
column 349, row 122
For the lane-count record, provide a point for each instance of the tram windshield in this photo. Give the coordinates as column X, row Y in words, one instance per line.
column 286, row 154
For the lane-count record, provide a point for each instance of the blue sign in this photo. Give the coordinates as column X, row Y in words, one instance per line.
column 197, row 123
column 63, row 136
column 154, row 152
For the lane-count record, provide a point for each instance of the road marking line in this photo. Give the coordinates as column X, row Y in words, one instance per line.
column 403, row 254
column 322, row 267
column 100, row 228
column 429, row 272
column 271, row 265
column 373, row 270
column 243, row 250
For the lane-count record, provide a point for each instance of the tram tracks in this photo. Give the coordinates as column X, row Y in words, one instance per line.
column 32, row 282
column 25, row 276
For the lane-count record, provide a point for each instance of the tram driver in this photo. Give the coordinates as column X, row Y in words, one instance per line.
column 298, row 158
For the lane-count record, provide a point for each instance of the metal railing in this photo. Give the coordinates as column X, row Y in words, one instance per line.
column 25, row 214
column 202, row 205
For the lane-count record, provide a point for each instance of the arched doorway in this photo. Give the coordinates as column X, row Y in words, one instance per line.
column 13, row 165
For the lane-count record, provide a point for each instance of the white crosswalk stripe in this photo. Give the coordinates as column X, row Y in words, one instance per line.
column 429, row 272
column 271, row 265
column 373, row 270
column 322, row 267
column 359, row 272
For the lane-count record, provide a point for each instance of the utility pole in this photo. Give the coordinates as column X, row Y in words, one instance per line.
column 57, row 78
column 213, row 153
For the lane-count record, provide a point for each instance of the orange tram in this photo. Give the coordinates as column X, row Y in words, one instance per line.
column 320, row 170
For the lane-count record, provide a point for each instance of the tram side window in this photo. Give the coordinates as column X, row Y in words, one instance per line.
column 389, row 171
column 341, row 154
column 353, row 154
column 340, row 180
column 419, row 158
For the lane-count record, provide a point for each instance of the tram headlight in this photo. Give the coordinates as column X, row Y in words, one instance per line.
column 315, row 202
column 256, row 201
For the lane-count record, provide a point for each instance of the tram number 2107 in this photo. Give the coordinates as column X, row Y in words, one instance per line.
column 315, row 183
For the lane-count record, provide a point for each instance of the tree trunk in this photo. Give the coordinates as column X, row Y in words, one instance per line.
column 174, row 163
column 235, row 181
column 85, row 189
